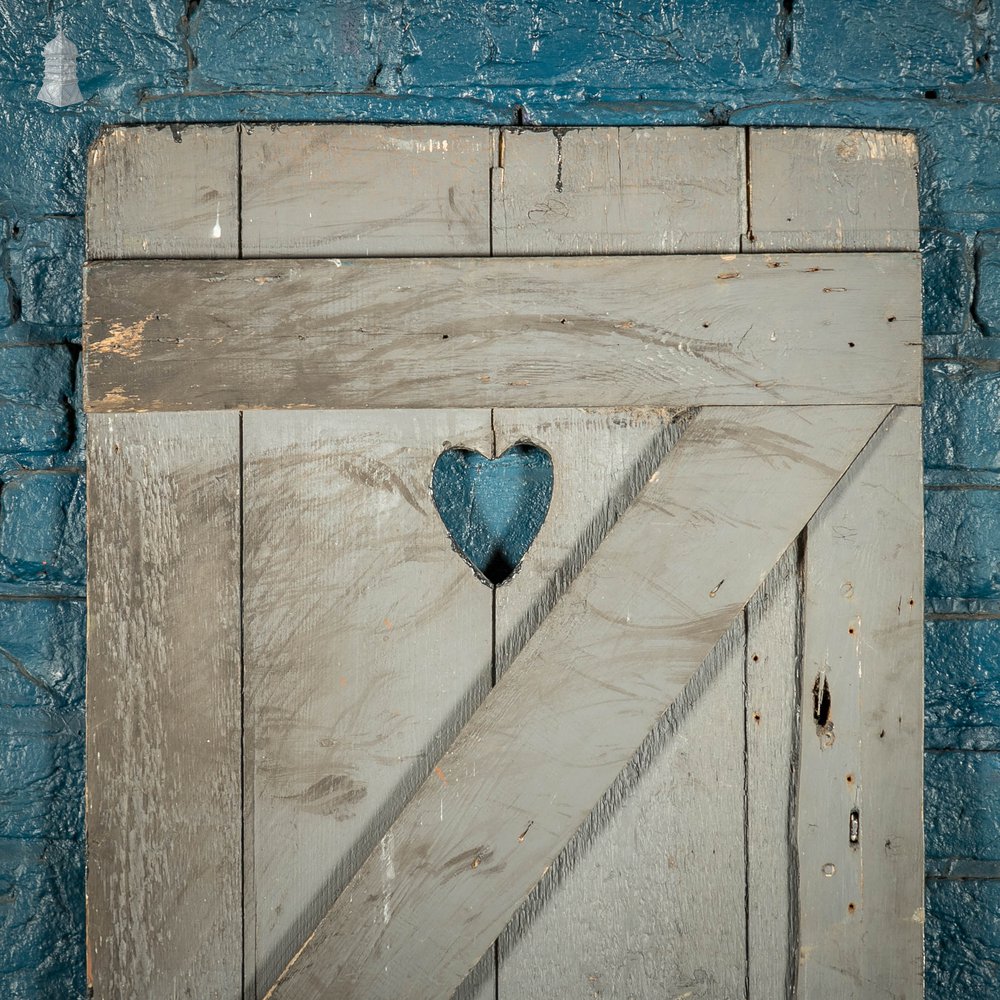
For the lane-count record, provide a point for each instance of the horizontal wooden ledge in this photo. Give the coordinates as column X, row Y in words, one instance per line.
column 501, row 332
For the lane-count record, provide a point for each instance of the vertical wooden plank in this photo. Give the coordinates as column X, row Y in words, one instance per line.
column 365, row 190
column 773, row 654
column 368, row 643
column 163, row 191
column 648, row 898
column 833, row 189
column 892, row 713
column 618, row 190
column 360, row 190
column 163, row 706
column 611, row 190
column 859, row 823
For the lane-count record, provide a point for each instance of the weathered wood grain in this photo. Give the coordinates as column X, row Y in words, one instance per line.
column 163, row 191
column 648, row 897
column 861, row 902
column 366, row 190
column 618, row 190
column 475, row 332
column 773, row 659
column 564, row 719
column 368, row 642
column 833, row 189
column 163, row 706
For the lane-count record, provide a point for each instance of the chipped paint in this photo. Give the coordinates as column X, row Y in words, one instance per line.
column 122, row 339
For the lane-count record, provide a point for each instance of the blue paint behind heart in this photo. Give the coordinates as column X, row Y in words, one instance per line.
column 493, row 508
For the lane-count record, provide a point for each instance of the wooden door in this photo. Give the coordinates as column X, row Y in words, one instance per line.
column 678, row 752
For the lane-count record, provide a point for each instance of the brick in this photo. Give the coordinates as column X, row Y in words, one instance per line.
column 35, row 383
column 42, row 920
column 607, row 47
column 960, row 171
column 47, row 265
column 323, row 46
column 962, row 684
column 42, row 650
column 987, row 301
column 894, row 48
column 42, row 153
column 962, row 805
column 962, row 535
column 961, row 415
column 947, row 260
column 41, row 776
column 42, row 527
column 962, row 940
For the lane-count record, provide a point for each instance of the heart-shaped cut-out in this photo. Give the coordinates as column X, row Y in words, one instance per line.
column 493, row 507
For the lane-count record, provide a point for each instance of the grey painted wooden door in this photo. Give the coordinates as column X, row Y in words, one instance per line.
column 678, row 753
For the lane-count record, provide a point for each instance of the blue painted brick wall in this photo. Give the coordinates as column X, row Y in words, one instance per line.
column 929, row 65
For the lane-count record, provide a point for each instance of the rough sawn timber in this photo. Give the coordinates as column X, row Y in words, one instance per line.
column 164, row 191
column 648, row 896
column 530, row 765
column 832, row 189
column 861, row 890
column 618, row 190
column 365, row 190
column 502, row 332
column 773, row 657
column 163, row 706
column 344, row 714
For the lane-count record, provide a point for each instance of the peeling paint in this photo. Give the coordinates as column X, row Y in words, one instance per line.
column 122, row 339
